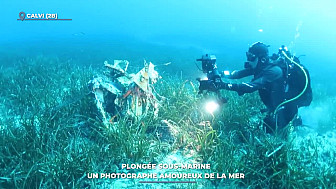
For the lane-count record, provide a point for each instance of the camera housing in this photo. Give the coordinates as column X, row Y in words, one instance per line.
column 209, row 67
column 212, row 82
column 208, row 63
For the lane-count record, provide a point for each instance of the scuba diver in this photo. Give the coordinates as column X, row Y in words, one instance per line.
column 274, row 83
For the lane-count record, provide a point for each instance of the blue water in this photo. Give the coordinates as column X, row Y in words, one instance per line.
column 177, row 31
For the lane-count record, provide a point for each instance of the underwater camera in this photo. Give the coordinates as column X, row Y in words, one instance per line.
column 213, row 77
column 210, row 83
column 208, row 63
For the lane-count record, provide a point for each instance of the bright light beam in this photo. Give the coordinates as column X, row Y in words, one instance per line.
column 211, row 107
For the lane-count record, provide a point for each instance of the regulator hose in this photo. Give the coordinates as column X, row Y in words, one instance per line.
column 304, row 89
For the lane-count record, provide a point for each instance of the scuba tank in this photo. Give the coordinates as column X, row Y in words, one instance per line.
column 297, row 79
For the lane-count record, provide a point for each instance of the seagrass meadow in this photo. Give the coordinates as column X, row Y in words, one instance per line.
column 51, row 135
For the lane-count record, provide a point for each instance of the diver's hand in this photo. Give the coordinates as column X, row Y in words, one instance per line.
column 232, row 87
column 226, row 86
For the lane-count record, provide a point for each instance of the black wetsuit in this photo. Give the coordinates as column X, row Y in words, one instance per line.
column 269, row 81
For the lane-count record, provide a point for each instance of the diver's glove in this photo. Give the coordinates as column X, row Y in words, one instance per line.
column 226, row 86
column 215, row 85
column 232, row 87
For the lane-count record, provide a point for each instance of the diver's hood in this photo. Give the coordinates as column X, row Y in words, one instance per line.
column 259, row 49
